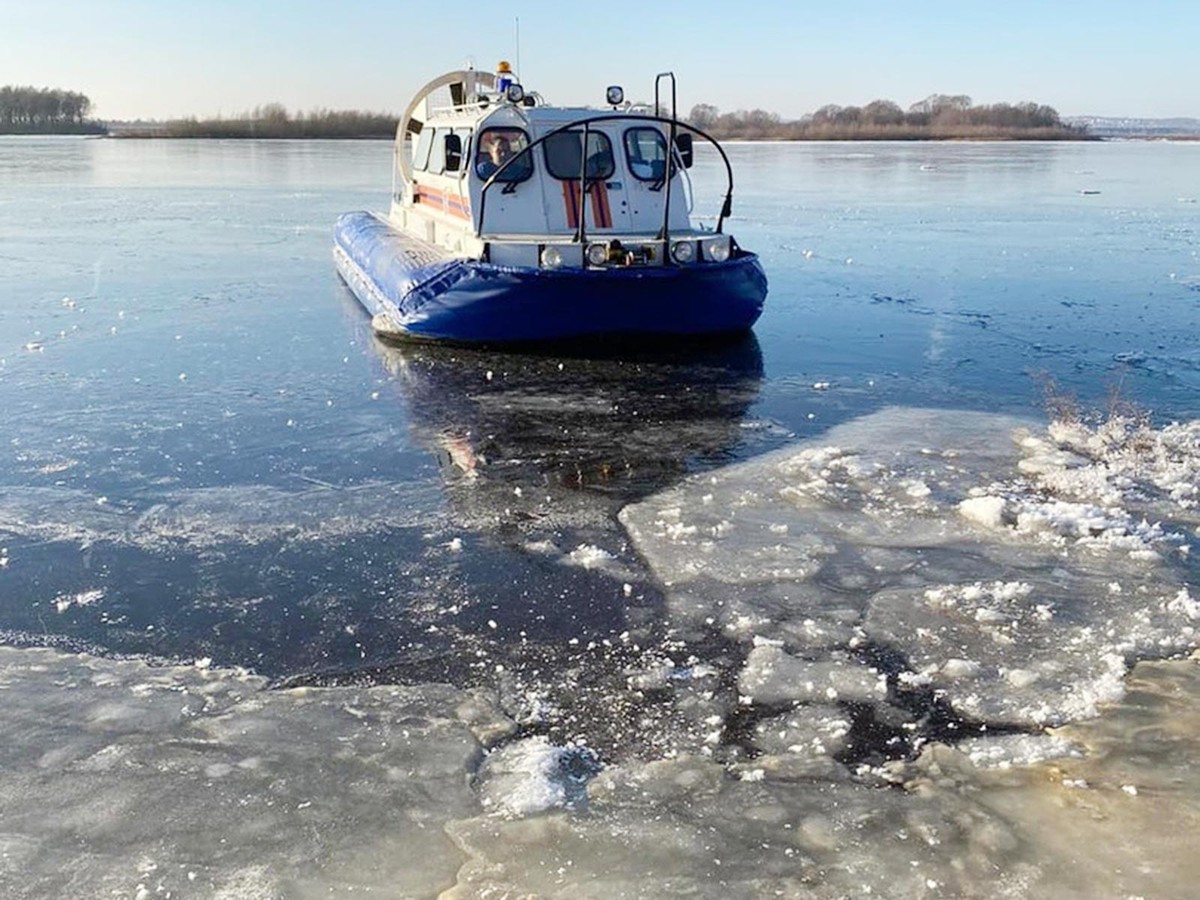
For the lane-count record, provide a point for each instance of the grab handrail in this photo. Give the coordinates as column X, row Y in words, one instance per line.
column 664, row 233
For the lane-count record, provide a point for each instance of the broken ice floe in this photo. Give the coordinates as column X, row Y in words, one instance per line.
column 82, row 598
column 205, row 517
column 816, row 731
column 772, row 676
column 381, row 790
column 1001, row 817
column 584, row 556
column 1012, row 573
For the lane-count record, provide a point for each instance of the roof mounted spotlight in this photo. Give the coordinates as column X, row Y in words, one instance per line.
column 514, row 93
column 614, row 95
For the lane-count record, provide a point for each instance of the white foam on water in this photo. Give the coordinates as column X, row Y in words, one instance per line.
column 585, row 556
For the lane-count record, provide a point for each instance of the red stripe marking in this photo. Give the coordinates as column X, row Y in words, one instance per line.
column 570, row 191
column 598, row 195
column 602, row 213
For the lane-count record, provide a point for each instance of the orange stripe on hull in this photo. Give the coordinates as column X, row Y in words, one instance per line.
column 442, row 201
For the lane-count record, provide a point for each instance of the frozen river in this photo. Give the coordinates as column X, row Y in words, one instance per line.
column 894, row 598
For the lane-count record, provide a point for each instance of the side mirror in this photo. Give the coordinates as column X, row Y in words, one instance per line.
column 683, row 143
column 454, row 152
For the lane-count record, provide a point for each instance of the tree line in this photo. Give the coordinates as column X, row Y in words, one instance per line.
column 274, row 121
column 30, row 110
column 940, row 116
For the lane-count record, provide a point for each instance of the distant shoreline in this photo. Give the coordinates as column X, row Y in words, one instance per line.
column 363, row 127
column 961, row 139
column 150, row 135
column 85, row 128
column 119, row 132
column 938, row 117
column 270, row 122
column 236, row 130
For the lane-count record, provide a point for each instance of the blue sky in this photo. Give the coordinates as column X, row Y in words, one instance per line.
column 167, row 58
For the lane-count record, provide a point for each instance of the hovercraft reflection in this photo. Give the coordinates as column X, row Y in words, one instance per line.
column 526, row 440
column 515, row 221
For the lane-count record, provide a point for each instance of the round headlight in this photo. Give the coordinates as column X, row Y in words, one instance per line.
column 683, row 251
column 615, row 95
column 551, row 258
column 515, row 93
column 597, row 254
column 718, row 249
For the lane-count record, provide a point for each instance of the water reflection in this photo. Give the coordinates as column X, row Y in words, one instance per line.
column 510, row 545
column 527, row 440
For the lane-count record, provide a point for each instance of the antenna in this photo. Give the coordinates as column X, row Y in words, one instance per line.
column 518, row 47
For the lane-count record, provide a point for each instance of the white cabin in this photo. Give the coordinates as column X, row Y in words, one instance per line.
column 533, row 212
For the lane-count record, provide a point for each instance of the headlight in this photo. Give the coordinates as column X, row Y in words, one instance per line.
column 718, row 249
column 683, row 251
column 615, row 95
column 551, row 258
column 597, row 254
column 515, row 93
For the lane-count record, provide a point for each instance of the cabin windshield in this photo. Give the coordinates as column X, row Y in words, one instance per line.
column 498, row 145
column 563, row 160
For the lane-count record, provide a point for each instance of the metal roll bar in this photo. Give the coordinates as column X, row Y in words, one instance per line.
column 673, row 124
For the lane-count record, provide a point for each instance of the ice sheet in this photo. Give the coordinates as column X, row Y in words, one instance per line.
column 120, row 778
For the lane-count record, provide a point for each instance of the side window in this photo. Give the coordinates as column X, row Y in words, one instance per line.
column 495, row 146
column 562, row 155
column 437, row 152
column 646, row 151
column 464, row 135
column 421, row 151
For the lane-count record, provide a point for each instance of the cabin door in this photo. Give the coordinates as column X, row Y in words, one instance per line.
column 645, row 190
column 599, row 199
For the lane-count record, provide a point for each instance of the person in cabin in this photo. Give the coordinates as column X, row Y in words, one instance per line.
column 492, row 155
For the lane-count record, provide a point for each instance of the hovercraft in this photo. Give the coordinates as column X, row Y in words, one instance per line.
column 513, row 221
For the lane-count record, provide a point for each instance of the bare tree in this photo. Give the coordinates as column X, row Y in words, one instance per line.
column 704, row 115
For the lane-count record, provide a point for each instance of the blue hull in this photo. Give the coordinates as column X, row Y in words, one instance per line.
column 418, row 294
